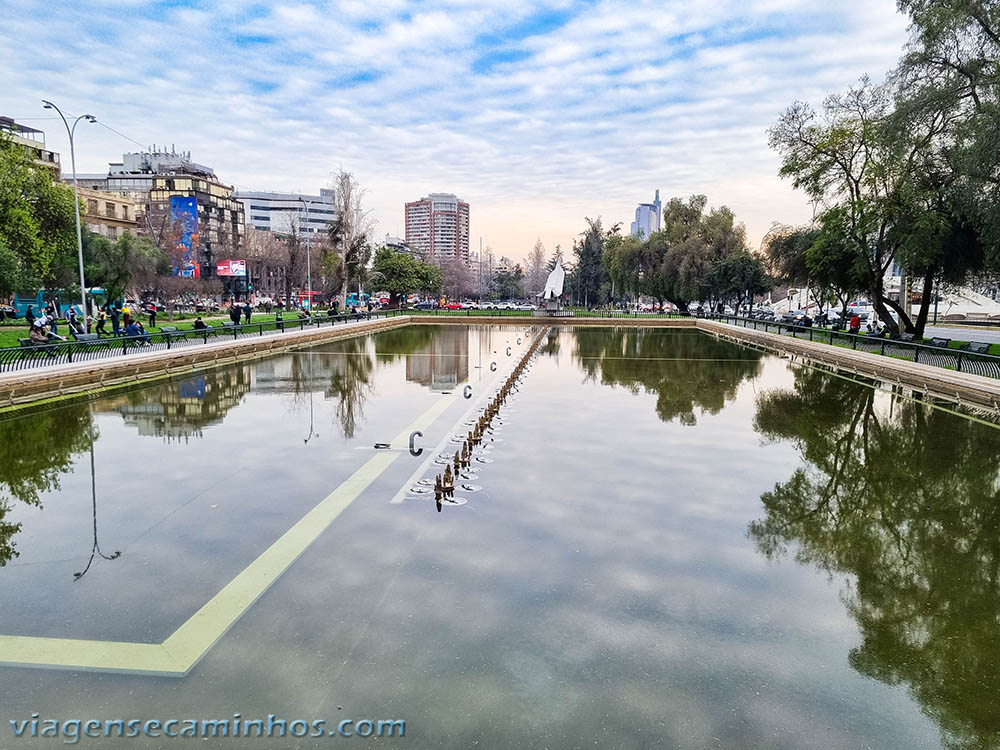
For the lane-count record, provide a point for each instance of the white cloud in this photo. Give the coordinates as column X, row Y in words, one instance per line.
column 582, row 118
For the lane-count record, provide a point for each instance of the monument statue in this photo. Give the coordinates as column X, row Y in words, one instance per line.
column 550, row 300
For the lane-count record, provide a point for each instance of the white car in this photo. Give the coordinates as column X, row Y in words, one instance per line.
column 524, row 307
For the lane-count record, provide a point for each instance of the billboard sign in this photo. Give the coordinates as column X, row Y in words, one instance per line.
column 231, row 268
column 184, row 219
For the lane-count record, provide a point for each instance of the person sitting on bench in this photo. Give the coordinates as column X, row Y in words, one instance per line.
column 136, row 330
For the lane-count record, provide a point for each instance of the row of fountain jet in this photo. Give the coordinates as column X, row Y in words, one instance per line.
column 444, row 484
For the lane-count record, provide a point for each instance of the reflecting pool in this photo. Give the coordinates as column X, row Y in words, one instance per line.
column 670, row 540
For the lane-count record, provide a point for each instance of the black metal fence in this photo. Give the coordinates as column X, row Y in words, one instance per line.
column 939, row 356
column 64, row 352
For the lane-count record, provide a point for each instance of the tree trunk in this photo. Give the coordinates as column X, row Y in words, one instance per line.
column 879, row 302
column 925, row 302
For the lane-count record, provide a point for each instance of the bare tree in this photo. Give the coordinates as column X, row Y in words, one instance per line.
column 350, row 249
column 267, row 260
column 296, row 249
column 536, row 272
column 458, row 281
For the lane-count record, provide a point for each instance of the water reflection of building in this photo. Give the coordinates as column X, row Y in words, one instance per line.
column 182, row 409
column 444, row 363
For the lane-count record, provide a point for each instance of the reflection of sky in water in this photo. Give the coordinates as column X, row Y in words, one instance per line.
column 601, row 591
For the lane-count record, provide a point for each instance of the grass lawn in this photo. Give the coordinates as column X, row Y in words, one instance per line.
column 11, row 332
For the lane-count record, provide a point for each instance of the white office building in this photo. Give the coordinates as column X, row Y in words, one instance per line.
column 276, row 212
column 647, row 218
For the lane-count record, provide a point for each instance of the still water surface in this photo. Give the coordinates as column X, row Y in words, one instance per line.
column 678, row 542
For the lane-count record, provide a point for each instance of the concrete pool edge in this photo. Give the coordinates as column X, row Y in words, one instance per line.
column 962, row 388
column 26, row 387
column 29, row 386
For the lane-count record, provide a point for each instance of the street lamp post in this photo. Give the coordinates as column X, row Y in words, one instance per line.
column 76, row 203
column 309, row 283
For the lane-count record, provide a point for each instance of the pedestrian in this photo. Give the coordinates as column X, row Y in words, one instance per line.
column 855, row 324
column 126, row 317
column 73, row 321
column 115, row 314
column 102, row 318
column 246, row 311
column 234, row 313
column 152, row 315
column 51, row 317
column 29, row 315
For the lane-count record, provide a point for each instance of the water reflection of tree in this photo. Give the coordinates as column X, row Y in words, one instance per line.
column 35, row 450
column 685, row 370
column 345, row 369
column 909, row 505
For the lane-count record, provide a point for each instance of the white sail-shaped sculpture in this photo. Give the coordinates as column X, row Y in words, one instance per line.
column 554, row 284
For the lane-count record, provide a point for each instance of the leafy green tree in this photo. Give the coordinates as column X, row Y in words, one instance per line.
column 37, row 219
column 117, row 266
column 11, row 273
column 952, row 64
column 509, row 284
column 737, row 278
column 401, row 273
column 832, row 263
column 593, row 285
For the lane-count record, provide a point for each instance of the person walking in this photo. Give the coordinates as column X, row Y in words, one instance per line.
column 115, row 314
column 102, row 319
column 247, row 309
column 855, row 324
column 234, row 313
column 73, row 321
column 51, row 316
column 29, row 316
column 152, row 315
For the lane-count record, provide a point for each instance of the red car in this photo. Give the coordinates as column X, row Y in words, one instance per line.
column 453, row 306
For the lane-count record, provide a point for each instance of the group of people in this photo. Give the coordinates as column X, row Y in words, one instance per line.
column 240, row 311
column 44, row 325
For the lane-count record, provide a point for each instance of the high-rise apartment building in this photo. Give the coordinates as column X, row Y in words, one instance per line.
column 437, row 227
column 647, row 218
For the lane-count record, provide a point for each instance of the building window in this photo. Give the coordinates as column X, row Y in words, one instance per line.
column 91, row 206
column 109, row 210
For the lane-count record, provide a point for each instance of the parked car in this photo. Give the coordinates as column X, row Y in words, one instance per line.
column 792, row 315
column 453, row 306
column 427, row 304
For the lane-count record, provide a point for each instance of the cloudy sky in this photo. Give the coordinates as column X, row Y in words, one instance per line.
column 536, row 113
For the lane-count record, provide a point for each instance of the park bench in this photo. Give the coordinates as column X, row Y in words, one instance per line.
column 939, row 342
column 87, row 336
column 907, row 338
column 975, row 347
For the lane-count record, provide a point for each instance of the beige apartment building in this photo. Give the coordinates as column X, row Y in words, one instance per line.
column 108, row 214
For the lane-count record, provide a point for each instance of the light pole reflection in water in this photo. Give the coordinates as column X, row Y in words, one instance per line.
column 95, row 548
column 311, row 434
